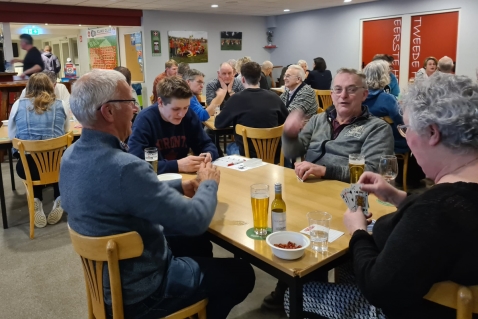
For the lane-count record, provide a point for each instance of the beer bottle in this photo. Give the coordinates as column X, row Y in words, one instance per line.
column 278, row 210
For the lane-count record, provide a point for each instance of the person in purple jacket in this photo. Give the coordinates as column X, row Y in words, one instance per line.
column 172, row 127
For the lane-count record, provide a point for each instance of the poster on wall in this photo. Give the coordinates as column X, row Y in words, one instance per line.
column 432, row 35
column 231, row 40
column 188, row 46
column 155, row 43
column 103, row 48
column 134, row 55
column 382, row 37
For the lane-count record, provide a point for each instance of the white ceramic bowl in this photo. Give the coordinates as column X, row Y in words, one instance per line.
column 5, row 122
column 283, row 237
column 169, row 177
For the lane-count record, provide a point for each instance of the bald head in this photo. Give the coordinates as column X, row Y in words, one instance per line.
column 225, row 73
column 445, row 65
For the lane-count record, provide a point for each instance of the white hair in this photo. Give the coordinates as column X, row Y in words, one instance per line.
column 451, row 103
column 445, row 64
column 299, row 70
column 232, row 62
column 377, row 74
column 92, row 90
column 267, row 65
column 302, row 62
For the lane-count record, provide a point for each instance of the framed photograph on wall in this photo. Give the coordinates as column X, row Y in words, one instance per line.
column 231, row 40
column 155, row 43
column 188, row 46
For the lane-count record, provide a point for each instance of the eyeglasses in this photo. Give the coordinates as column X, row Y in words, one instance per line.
column 289, row 75
column 402, row 129
column 136, row 104
column 349, row 89
column 200, row 82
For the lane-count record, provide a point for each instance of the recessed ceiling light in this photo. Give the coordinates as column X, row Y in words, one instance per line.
column 347, row 0
column 214, row 6
column 286, row 10
column 46, row 23
column 79, row 25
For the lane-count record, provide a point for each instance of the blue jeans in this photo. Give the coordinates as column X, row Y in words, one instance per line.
column 224, row 281
column 232, row 149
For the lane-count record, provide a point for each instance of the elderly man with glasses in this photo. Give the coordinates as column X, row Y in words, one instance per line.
column 297, row 94
column 345, row 128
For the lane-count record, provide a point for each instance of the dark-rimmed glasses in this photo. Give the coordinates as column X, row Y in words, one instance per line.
column 349, row 89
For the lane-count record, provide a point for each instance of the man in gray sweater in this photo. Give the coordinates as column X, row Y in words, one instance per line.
column 107, row 191
column 345, row 128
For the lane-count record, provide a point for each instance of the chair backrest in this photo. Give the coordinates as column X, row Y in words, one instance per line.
column 463, row 299
column 265, row 141
column 47, row 156
column 387, row 119
column 325, row 98
column 94, row 251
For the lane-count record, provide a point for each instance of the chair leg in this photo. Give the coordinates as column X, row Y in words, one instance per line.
column 31, row 211
column 202, row 313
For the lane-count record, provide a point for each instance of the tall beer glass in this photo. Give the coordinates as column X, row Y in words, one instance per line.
column 260, row 207
column 356, row 167
column 151, row 156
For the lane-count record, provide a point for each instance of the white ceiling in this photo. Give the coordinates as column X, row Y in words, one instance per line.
column 240, row 7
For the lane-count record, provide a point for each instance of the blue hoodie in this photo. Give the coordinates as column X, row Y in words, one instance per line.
column 382, row 104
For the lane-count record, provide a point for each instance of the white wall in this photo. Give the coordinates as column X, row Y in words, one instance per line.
column 253, row 39
column 334, row 33
column 83, row 54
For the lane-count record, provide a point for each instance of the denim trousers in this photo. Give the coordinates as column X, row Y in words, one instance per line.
column 193, row 275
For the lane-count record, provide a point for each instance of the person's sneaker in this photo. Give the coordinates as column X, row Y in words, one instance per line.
column 56, row 212
column 40, row 218
column 274, row 301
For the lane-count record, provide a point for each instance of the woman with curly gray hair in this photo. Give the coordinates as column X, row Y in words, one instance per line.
column 432, row 237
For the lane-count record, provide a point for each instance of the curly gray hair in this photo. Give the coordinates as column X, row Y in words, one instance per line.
column 377, row 74
column 451, row 103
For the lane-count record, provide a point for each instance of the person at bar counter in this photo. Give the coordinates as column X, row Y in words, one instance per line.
column 171, row 69
column 330, row 137
column 297, row 94
column 33, row 62
column 226, row 85
column 172, row 127
column 429, row 68
column 40, row 115
column 108, row 191
column 345, row 128
column 253, row 107
column 433, row 236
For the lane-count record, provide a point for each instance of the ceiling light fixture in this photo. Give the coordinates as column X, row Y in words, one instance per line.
column 46, row 23
column 347, row 0
column 214, row 5
column 79, row 25
column 286, row 10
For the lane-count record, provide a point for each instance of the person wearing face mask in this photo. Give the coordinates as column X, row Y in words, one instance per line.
column 429, row 67
column 172, row 127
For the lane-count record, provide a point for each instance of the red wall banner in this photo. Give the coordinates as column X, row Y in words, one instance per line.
column 382, row 37
column 432, row 35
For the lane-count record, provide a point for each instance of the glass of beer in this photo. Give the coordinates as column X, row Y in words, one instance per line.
column 260, row 207
column 151, row 156
column 356, row 167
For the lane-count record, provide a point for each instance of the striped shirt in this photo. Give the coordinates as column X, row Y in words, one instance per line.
column 215, row 85
column 304, row 99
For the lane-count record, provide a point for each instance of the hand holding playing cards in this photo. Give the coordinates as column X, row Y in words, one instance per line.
column 207, row 171
column 377, row 185
column 356, row 220
column 294, row 124
column 304, row 169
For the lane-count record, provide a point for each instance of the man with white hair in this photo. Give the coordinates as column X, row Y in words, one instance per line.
column 107, row 191
column 266, row 80
column 232, row 63
column 445, row 65
column 298, row 95
column 224, row 86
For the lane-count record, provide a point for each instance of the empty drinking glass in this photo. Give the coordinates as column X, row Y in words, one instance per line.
column 388, row 167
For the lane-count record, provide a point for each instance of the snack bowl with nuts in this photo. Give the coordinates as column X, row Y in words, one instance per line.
column 290, row 241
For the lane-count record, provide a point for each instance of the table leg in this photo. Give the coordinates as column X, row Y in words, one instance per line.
column 296, row 298
column 2, row 198
column 10, row 161
column 218, row 144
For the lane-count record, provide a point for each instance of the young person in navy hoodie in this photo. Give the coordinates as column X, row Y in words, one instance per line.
column 173, row 128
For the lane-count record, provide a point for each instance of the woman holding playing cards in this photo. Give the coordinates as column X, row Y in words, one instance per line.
column 432, row 237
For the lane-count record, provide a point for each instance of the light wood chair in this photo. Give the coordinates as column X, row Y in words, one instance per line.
column 94, row 252
column 449, row 294
column 265, row 141
column 325, row 98
column 404, row 157
column 47, row 156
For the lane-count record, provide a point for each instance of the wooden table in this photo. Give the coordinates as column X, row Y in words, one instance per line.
column 218, row 133
column 5, row 89
column 233, row 218
column 279, row 91
column 6, row 144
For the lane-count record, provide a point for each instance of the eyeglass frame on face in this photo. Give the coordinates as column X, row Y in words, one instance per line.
column 118, row 101
column 351, row 90
column 286, row 76
column 402, row 129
